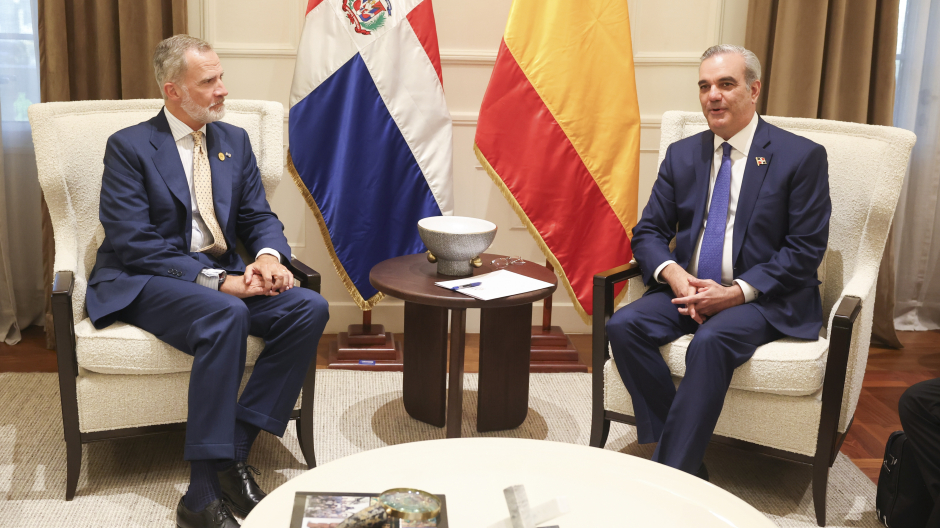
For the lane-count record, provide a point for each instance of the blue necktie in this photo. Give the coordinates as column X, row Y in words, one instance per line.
column 713, row 241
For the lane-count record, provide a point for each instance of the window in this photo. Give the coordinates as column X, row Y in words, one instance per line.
column 19, row 67
column 902, row 12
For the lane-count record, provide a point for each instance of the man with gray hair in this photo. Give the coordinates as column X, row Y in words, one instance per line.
column 748, row 206
column 178, row 192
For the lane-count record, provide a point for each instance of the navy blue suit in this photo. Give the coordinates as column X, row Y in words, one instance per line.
column 145, row 272
column 781, row 230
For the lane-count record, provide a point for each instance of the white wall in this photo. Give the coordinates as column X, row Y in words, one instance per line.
column 257, row 42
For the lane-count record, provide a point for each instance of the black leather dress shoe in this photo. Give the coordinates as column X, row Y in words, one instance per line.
column 216, row 515
column 702, row 472
column 239, row 488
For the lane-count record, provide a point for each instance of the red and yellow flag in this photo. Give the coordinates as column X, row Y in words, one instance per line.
column 559, row 134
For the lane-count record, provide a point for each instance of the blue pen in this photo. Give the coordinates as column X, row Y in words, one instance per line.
column 462, row 286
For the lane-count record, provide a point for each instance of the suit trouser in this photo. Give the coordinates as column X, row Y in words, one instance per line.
column 682, row 420
column 919, row 410
column 213, row 327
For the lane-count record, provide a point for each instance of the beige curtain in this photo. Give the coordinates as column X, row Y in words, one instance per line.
column 917, row 107
column 99, row 49
column 21, row 280
column 831, row 59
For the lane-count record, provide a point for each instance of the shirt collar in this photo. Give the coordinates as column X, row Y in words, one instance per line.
column 740, row 141
column 178, row 128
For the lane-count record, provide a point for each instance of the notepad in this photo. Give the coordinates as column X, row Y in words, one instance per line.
column 494, row 285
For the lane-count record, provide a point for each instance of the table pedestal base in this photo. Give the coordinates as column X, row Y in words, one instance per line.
column 505, row 337
column 503, row 399
column 424, row 381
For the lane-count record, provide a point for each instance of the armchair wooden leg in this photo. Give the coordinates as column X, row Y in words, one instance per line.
column 305, row 423
column 300, row 437
column 828, row 440
column 820, row 482
column 600, row 428
column 73, row 461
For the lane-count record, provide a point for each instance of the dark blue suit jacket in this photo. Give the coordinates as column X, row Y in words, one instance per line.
column 781, row 227
column 146, row 212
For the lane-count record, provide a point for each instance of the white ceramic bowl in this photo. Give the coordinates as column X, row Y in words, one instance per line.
column 455, row 241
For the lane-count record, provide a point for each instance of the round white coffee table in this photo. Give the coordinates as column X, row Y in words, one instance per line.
column 603, row 488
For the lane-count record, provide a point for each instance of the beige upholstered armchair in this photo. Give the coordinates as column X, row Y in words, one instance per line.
column 121, row 381
column 794, row 399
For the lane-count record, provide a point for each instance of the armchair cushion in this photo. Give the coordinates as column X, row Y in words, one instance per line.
column 789, row 367
column 793, row 426
column 125, row 349
column 143, row 401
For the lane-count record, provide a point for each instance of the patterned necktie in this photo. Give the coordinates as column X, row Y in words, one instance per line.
column 202, row 180
column 713, row 241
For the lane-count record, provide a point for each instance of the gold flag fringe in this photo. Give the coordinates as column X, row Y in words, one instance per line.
column 524, row 218
column 364, row 304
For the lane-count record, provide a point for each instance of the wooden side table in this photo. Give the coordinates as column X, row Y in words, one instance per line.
column 505, row 339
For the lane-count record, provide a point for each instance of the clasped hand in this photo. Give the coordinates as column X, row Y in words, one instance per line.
column 265, row 276
column 697, row 298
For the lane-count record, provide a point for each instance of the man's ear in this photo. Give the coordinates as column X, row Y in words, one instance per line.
column 755, row 90
column 171, row 91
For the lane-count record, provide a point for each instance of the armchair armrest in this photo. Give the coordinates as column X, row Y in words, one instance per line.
column 603, row 308
column 847, row 312
column 308, row 277
column 840, row 346
column 64, row 323
column 618, row 274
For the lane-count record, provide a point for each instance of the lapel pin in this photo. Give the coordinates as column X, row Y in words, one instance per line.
column 761, row 161
column 228, row 154
column 221, row 157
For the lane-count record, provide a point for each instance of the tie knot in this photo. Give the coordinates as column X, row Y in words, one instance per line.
column 726, row 149
column 197, row 138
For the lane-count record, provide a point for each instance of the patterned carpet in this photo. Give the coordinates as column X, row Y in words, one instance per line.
column 137, row 482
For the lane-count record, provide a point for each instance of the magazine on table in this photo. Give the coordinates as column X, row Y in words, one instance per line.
column 314, row 509
column 494, row 285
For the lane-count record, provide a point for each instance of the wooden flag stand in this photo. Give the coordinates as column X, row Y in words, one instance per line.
column 552, row 350
column 366, row 347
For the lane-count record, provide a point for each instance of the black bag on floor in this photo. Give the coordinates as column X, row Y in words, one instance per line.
column 902, row 499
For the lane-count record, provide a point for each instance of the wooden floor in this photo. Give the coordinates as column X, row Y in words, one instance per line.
column 889, row 373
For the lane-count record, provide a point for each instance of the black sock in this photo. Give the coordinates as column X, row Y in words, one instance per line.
column 245, row 435
column 203, row 485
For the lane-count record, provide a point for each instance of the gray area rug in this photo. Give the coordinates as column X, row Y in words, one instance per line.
column 137, row 482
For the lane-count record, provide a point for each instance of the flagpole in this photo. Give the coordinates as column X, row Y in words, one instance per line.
column 547, row 310
column 370, row 76
column 551, row 349
column 366, row 347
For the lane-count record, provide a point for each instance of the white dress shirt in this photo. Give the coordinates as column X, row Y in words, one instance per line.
column 740, row 146
column 201, row 236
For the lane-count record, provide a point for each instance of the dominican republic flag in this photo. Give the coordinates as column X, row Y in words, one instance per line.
column 370, row 134
column 559, row 134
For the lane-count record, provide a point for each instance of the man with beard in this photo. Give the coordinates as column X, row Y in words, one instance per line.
column 178, row 192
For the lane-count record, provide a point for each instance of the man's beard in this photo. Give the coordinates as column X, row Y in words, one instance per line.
column 202, row 114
